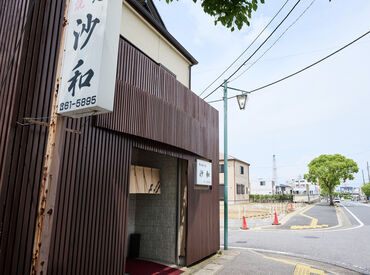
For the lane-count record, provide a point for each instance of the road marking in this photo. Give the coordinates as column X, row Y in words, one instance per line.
column 354, row 216
column 303, row 256
column 313, row 223
column 300, row 269
column 306, row 270
column 357, row 203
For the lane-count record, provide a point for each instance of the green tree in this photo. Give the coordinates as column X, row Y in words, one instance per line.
column 329, row 170
column 230, row 13
column 366, row 189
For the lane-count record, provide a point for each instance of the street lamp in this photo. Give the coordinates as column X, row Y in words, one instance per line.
column 242, row 101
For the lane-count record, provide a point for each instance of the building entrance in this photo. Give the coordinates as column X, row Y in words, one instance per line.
column 157, row 208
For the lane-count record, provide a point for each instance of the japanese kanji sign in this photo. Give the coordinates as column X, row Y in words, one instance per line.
column 90, row 58
column 204, row 173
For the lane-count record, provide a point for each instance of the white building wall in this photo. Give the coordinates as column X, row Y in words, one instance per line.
column 139, row 32
column 267, row 189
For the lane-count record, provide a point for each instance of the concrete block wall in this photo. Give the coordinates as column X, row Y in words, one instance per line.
column 155, row 215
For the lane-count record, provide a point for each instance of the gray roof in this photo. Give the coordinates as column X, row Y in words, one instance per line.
column 221, row 157
column 147, row 10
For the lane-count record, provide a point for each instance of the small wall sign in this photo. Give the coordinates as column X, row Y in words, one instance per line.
column 204, row 173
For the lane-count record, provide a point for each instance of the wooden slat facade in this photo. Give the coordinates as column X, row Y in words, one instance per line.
column 27, row 94
column 153, row 111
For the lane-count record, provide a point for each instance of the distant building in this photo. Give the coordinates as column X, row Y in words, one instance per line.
column 350, row 190
column 303, row 187
column 283, row 189
column 263, row 187
column 238, row 179
column 304, row 191
column 355, row 192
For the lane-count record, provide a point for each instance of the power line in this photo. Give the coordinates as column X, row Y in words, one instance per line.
column 10, row 65
column 301, row 70
column 294, row 22
column 257, row 48
column 245, row 49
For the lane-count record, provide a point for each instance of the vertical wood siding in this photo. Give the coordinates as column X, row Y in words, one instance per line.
column 12, row 17
column 151, row 106
column 27, row 94
column 150, row 103
column 90, row 227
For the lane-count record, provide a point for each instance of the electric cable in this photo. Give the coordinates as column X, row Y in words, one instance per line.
column 273, row 44
column 10, row 65
column 301, row 70
column 295, row 5
column 250, row 45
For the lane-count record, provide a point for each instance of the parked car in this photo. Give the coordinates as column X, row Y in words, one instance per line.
column 336, row 200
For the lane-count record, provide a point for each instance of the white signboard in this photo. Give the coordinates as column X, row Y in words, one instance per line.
column 204, row 173
column 90, row 58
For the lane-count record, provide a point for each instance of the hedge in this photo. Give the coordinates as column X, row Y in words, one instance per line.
column 270, row 198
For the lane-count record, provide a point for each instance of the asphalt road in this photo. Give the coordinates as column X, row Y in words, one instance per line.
column 325, row 215
column 346, row 247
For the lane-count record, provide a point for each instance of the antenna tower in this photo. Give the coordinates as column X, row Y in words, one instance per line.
column 274, row 170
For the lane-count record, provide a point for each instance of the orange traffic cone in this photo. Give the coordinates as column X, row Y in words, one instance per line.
column 276, row 222
column 245, row 227
column 291, row 207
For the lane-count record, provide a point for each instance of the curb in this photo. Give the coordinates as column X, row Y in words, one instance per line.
column 213, row 264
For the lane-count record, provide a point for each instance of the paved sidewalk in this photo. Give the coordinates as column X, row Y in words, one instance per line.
column 248, row 261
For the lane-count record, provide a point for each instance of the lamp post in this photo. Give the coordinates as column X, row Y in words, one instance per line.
column 242, row 101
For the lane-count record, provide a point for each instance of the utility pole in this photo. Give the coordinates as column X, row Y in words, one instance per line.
column 242, row 100
column 225, row 170
column 274, row 172
column 368, row 172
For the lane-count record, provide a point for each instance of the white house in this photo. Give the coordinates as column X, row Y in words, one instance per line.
column 238, row 179
column 263, row 187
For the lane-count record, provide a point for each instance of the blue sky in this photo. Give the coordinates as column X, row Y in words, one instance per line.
column 322, row 111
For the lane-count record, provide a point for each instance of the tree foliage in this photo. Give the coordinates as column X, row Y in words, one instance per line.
column 330, row 170
column 366, row 189
column 230, row 13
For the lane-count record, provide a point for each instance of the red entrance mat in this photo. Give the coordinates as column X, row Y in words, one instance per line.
column 140, row 267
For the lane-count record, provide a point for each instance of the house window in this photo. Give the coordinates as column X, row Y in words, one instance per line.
column 240, row 189
column 241, row 170
column 262, row 183
column 221, row 168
